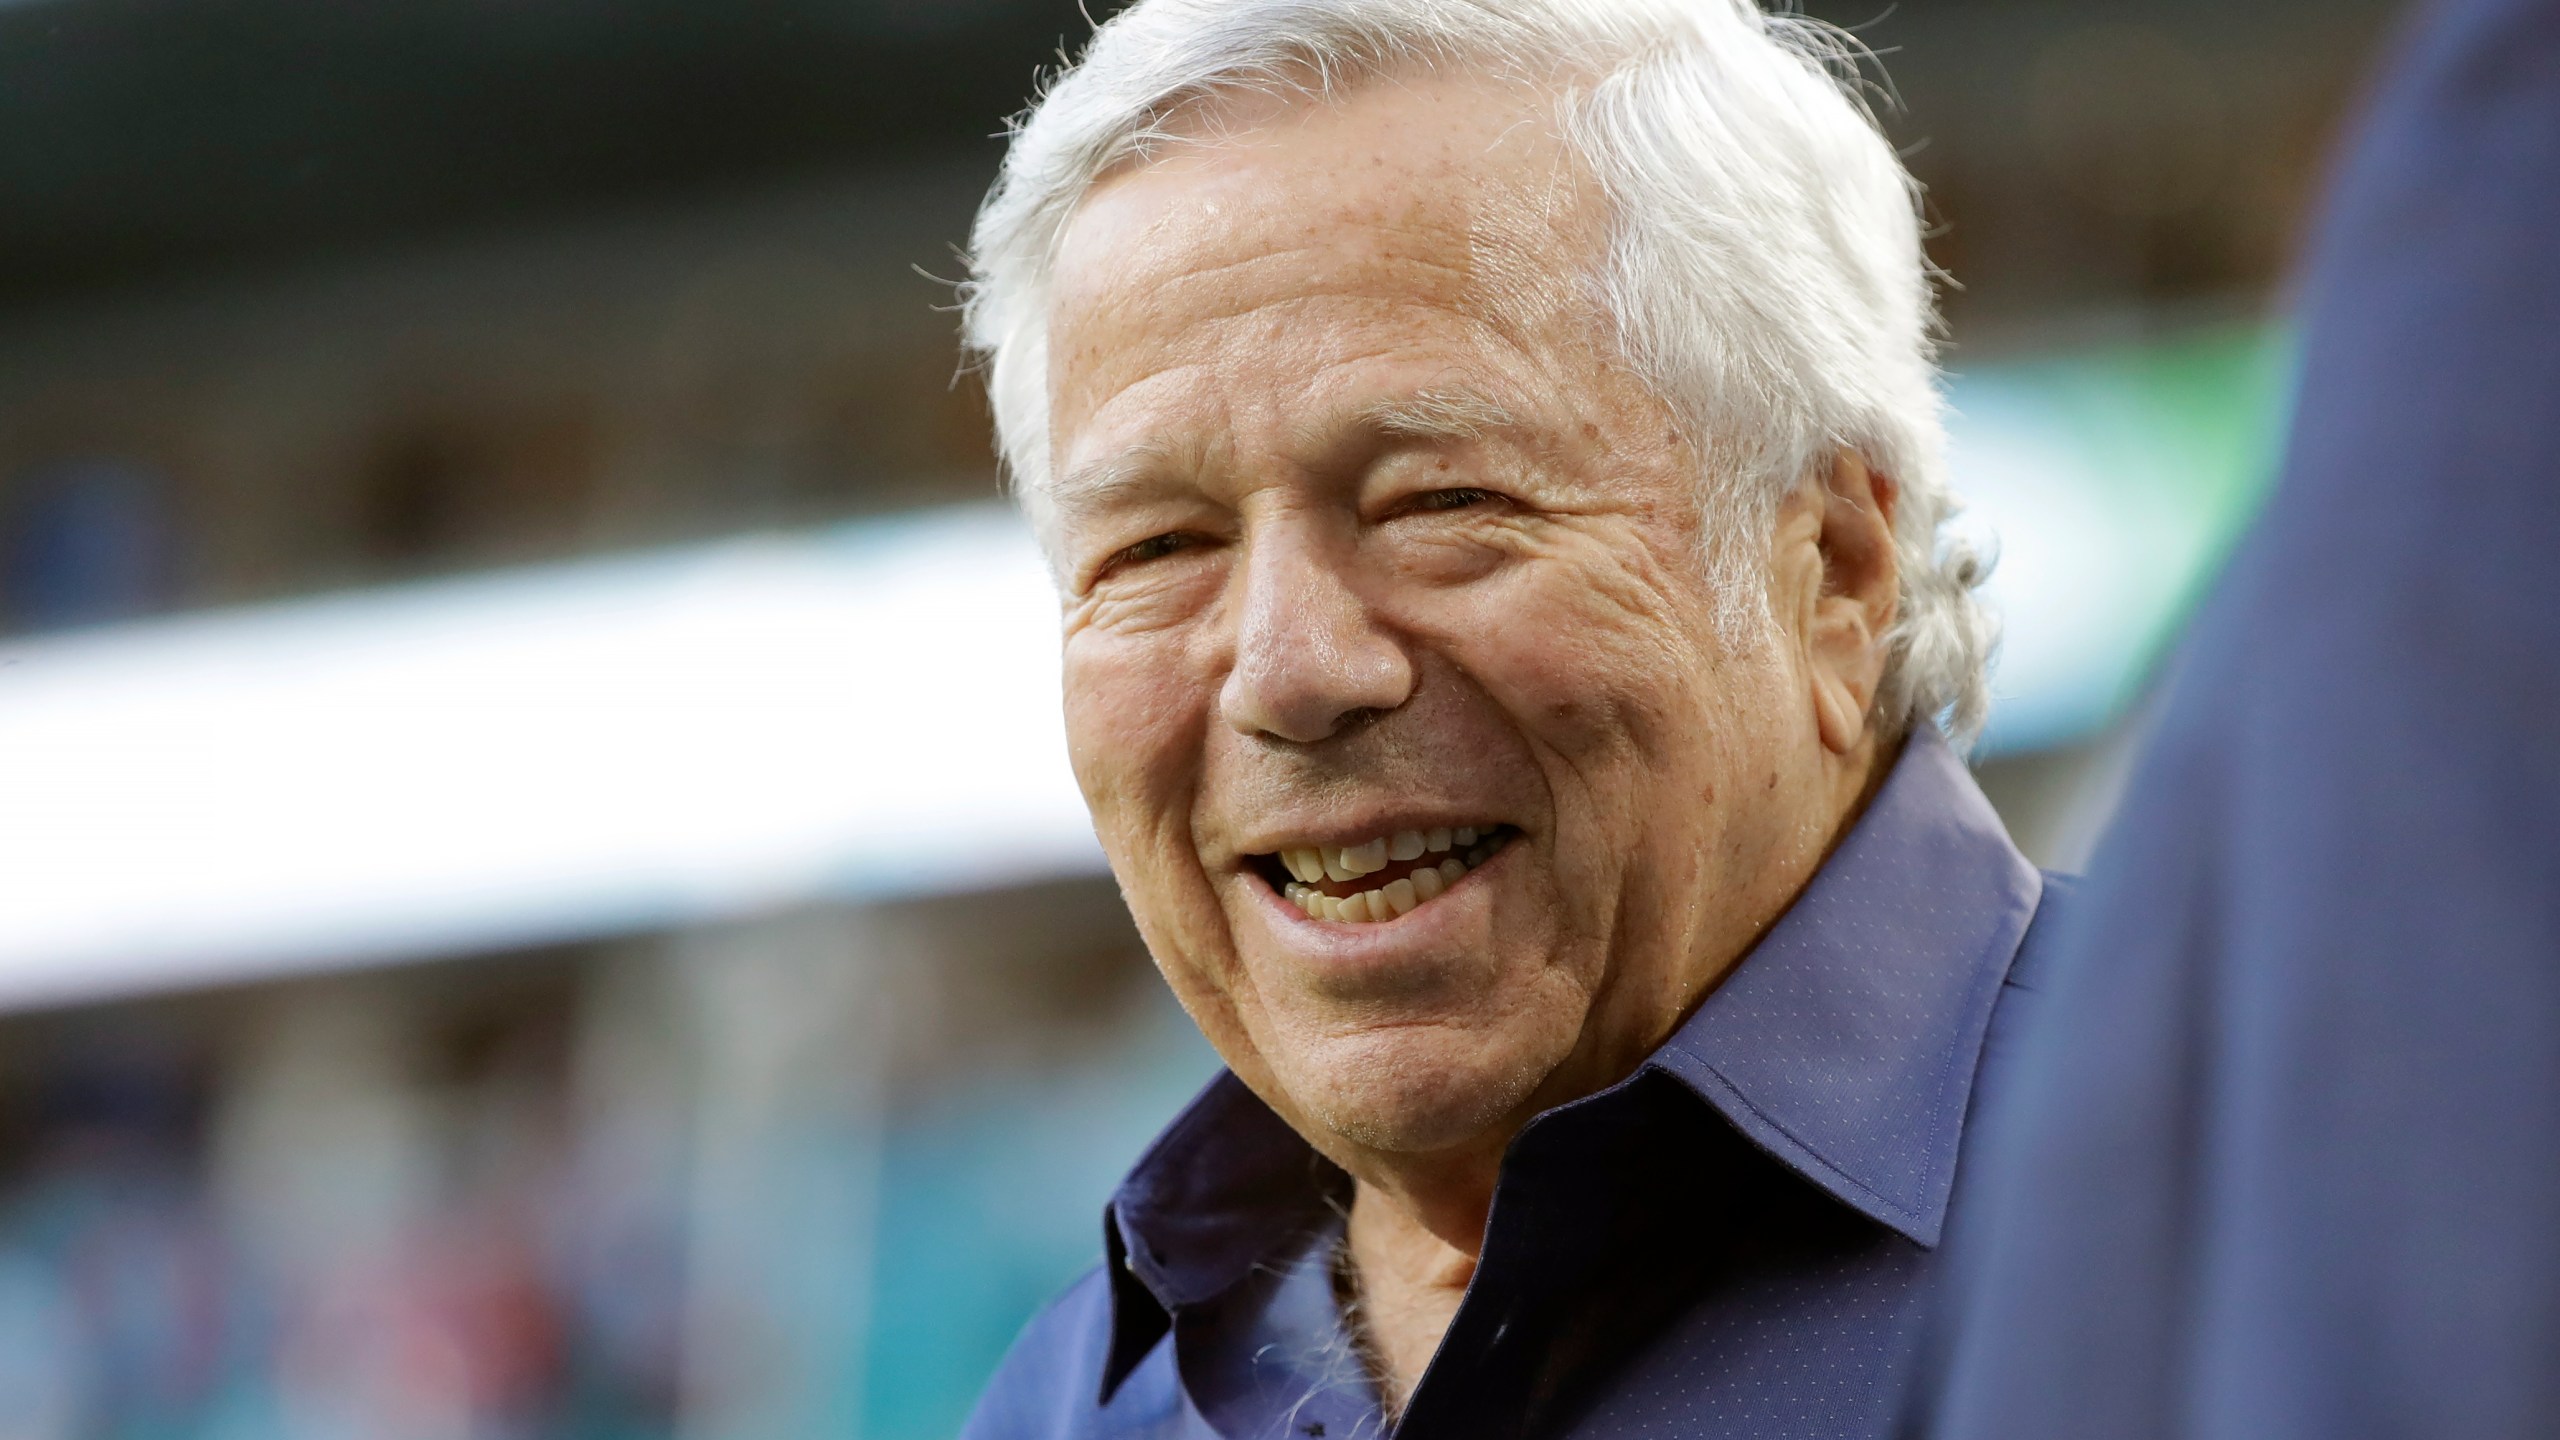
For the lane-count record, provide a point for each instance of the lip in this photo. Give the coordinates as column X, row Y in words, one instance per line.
column 1359, row 832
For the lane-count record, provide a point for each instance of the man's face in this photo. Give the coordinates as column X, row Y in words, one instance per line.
column 1368, row 545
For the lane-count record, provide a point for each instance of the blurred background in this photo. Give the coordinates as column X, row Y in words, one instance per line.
column 539, row 890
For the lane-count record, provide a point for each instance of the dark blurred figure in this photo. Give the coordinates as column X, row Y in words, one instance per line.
column 2289, row 1165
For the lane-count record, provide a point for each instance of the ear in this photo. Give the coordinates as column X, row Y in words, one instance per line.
column 1859, row 595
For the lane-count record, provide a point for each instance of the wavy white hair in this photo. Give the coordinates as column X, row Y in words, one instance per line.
column 1764, row 269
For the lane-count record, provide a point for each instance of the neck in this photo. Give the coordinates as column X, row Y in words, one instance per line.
column 1412, row 1257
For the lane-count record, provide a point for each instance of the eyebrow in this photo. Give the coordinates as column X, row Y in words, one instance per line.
column 1095, row 484
column 1435, row 414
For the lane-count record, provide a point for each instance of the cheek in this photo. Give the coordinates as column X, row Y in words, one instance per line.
column 1615, row 676
column 1135, row 726
column 1134, row 732
column 1603, row 664
column 1133, row 723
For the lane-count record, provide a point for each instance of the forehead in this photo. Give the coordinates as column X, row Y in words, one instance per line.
column 1296, row 247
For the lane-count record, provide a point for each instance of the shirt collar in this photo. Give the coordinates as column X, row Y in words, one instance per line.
column 1846, row 1043
column 1226, row 1182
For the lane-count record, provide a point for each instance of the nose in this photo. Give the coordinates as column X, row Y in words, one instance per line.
column 1310, row 656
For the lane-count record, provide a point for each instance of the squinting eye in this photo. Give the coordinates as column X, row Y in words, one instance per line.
column 1154, row 547
column 1464, row 497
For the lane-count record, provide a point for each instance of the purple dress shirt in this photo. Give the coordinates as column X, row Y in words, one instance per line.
column 1733, row 1241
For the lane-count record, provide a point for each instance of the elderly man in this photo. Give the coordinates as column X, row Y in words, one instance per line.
column 1490, row 453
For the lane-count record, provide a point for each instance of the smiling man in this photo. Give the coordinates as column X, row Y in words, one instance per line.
column 1490, row 453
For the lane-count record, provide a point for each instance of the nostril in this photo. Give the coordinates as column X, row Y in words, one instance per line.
column 1358, row 718
column 1343, row 723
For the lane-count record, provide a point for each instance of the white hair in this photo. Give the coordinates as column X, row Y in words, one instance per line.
column 1764, row 269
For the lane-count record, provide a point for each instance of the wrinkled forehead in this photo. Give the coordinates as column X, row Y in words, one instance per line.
column 1274, row 221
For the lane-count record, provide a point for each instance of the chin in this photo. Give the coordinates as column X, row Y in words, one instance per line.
column 1414, row 1089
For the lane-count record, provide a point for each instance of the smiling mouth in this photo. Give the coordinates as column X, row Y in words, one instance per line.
column 1383, row 878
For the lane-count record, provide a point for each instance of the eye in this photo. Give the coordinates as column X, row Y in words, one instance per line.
column 1464, row 497
column 1154, row 547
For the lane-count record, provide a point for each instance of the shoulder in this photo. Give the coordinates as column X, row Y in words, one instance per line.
column 1050, row 1384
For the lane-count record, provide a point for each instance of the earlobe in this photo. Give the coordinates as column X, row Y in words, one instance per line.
column 1841, row 720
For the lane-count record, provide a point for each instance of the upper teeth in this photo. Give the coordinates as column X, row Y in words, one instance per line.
column 1387, row 901
column 1349, row 862
column 1314, row 864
